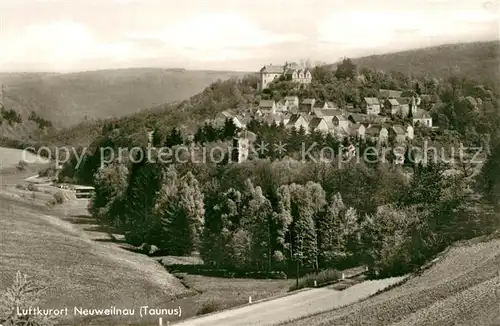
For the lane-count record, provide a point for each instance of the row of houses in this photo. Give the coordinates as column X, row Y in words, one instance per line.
column 390, row 106
column 354, row 125
column 293, row 105
column 402, row 106
column 335, row 122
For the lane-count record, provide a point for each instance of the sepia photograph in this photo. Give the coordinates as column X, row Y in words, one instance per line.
column 249, row 163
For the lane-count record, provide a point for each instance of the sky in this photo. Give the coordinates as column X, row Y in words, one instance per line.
column 243, row 35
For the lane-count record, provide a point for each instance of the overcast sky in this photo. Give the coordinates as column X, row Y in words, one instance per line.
column 76, row 35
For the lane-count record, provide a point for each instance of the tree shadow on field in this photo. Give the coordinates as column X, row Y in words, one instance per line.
column 111, row 240
column 80, row 219
column 94, row 227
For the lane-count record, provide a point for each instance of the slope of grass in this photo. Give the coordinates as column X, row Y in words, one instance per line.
column 78, row 271
column 66, row 99
column 463, row 288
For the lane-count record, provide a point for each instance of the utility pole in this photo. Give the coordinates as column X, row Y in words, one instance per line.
column 298, row 270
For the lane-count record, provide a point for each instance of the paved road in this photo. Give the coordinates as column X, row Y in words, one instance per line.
column 290, row 307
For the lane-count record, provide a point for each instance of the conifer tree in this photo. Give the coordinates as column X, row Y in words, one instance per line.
column 167, row 213
column 282, row 219
column 258, row 223
column 110, row 184
column 304, row 239
column 193, row 208
column 140, row 220
column 331, row 242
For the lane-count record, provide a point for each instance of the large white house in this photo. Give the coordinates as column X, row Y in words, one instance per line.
column 291, row 71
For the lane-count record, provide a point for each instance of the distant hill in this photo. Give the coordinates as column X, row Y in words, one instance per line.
column 479, row 60
column 67, row 99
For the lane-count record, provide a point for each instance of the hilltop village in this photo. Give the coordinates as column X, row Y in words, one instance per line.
column 393, row 114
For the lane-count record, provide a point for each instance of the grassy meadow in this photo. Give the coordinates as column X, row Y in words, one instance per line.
column 77, row 270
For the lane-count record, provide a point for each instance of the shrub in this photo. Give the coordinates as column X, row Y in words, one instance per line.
column 325, row 276
column 59, row 197
column 22, row 165
column 21, row 186
column 24, row 293
column 133, row 238
column 209, row 307
column 148, row 249
column 32, row 187
column 49, row 172
column 153, row 250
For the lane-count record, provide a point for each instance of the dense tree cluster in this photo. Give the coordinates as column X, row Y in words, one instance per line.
column 41, row 122
column 10, row 116
column 267, row 216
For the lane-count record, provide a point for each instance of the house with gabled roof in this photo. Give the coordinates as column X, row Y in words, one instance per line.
column 340, row 121
column 268, row 74
column 293, row 101
column 319, row 105
column 404, row 106
column 307, row 105
column 357, row 130
column 267, row 106
column 370, row 105
column 256, row 112
column 291, row 71
column 391, row 106
column 297, row 73
column 298, row 120
column 358, row 118
column 329, row 105
column 322, row 113
column 320, row 124
column 397, row 133
column 389, row 93
column 422, row 118
column 241, row 121
column 285, row 117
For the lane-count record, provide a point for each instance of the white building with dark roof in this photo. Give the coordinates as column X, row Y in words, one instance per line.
column 291, row 71
column 370, row 105
column 422, row 118
column 267, row 106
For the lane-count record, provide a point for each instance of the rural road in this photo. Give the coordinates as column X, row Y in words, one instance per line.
column 290, row 307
